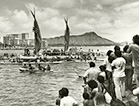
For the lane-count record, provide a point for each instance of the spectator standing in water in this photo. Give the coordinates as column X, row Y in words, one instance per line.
column 128, row 67
column 118, row 66
column 116, row 48
column 108, row 71
column 91, row 74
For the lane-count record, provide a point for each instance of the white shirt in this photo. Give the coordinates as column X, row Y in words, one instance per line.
column 67, row 101
column 108, row 64
column 92, row 73
column 119, row 64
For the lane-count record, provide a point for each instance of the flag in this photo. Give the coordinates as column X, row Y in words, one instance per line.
column 66, row 36
column 37, row 35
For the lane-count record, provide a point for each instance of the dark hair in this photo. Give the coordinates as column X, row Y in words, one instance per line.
column 92, row 64
column 100, row 79
column 109, row 52
column 116, row 48
column 85, row 95
column 92, row 84
column 111, row 58
column 65, row 92
column 125, row 48
column 93, row 94
column 102, row 67
column 136, row 39
column 60, row 93
column 118, row 53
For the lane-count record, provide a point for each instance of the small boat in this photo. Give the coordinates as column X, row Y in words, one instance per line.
column 29, row 67
column 25, row 70
column 35, row 63
column 27, row 57
column 21, row 69
column 10, row 63
column 54, row 62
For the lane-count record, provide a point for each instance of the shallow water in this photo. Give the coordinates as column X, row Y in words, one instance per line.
column 40, row 89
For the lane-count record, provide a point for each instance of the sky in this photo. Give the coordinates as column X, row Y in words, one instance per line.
column 117, row 20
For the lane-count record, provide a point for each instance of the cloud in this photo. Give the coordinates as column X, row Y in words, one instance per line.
column 99, row 6
column 109, row 2
column 127, row 15
column 42, row 13
column 63, row 3
column 111, row 18
column 46, row 13
column 52, row 27
column 5, row 25
column 22, row 22
column 84, row 26
column 54, row 23
column 20, row 16
column 31, row 6
column 84, row 12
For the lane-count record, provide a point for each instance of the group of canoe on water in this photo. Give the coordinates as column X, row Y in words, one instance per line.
column 27, row 66
column 50, row 55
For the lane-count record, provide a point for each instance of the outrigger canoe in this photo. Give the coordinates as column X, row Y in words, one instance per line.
column 24, row 70
column 10, row 63
column 21, row 69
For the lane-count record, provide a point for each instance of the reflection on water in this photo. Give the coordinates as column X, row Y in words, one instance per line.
column 40, row 89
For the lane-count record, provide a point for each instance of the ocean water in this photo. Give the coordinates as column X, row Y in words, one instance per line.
column 41, row 89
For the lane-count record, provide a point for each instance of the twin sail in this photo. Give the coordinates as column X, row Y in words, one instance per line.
column 38, row 39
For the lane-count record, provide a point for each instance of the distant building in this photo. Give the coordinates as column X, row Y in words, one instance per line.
column 15, row 39
column 25, row 35
column 44, row 44
column 21, row 40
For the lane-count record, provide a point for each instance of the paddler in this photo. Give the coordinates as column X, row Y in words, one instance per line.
column 48, row 67
column 31, row 68
column 41, row 67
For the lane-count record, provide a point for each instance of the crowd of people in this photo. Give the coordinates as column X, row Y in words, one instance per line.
column 107, row 86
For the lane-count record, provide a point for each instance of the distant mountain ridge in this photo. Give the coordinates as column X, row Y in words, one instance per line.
column 86, row 39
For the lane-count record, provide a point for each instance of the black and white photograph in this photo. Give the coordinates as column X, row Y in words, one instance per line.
column 69, row 53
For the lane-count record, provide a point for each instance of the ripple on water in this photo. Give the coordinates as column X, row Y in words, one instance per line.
column 41, row 89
